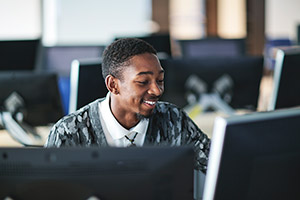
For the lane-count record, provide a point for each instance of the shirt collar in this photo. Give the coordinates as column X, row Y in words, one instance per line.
column 116, row 130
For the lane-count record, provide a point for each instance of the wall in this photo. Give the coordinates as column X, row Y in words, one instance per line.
column 231, row 18
column 282, row 18
column 94, row 21
column 23, row 19
column 20, row 19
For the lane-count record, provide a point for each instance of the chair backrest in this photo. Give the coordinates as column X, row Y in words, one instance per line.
column 270, row 49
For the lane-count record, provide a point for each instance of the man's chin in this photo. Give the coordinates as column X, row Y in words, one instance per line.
column 143, row 116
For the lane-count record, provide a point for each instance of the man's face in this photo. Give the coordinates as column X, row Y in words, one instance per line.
column 141, row 85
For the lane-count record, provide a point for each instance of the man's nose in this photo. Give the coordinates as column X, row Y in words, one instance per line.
column 156, row 89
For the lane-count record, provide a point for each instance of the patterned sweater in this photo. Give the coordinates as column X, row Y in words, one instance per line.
column 168, row 126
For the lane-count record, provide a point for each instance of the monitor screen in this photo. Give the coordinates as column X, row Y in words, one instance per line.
column 39, row 93
column 87, row 83
column 59, row 58
column 18, row 54
column 245, row 72
column 212, row 47
column 255, row 156
column 97, row 173
column 286, row 81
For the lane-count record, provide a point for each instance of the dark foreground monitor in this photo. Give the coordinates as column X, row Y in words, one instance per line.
column 286, row 81
column 103, row 173
column 256, row 156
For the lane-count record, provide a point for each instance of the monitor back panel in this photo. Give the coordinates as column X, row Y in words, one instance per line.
column 286, row 81
column 245, row 72
column 97, row 173
column 87, row 83
column 39, row 91
column 255, row 156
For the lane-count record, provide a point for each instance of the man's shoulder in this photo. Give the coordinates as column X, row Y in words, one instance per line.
column 81, row 113
column 166, row 105
column 167, row 108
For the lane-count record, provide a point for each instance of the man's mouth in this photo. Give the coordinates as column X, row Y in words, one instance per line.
column 149, row 103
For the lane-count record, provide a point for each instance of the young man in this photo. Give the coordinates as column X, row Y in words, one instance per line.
column 131, row 114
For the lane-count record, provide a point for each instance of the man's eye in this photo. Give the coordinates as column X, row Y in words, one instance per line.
column 143, row 82
column 160, row 81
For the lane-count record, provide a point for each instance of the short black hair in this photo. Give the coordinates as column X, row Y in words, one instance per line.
column 116, row 56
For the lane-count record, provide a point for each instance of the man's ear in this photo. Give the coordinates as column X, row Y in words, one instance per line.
column 112, row 84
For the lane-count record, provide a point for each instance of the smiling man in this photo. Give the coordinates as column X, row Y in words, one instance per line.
column 131, row 113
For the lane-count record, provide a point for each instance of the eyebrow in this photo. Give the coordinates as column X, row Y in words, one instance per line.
column 150, row 72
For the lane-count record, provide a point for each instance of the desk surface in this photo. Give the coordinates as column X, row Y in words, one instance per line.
column 204, row 121
column 7, row 141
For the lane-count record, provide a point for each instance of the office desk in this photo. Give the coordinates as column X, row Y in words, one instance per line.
column 7, row 141
column 204, row 121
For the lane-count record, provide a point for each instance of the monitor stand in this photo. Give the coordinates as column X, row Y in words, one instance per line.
column 16, row 130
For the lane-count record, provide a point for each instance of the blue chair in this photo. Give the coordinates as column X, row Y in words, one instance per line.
column 64, row 89
column 270, row 45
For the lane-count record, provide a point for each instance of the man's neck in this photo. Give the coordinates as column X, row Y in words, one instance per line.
column 127, row 120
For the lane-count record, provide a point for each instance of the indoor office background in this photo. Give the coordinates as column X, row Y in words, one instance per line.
column 222, row 58
column 193, row 32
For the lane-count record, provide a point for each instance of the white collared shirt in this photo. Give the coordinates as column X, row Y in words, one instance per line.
column 115, row 132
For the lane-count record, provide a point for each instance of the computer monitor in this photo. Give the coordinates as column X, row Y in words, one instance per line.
column 97, row 173
column 286, row 82
column 160, row 41
column 86, row 83
column 59, row 58
column 210, row 47
column 18, row 54
column 255, row 156
column 246, row 73
column 39, row 93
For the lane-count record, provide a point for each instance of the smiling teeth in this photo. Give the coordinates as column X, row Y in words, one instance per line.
column 150, row 102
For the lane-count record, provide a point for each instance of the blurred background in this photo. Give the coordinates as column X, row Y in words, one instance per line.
column 207, row 38
column 98, row 22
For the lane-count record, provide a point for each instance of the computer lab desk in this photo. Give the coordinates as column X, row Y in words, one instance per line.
column 7, row 141
column 204, row 121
